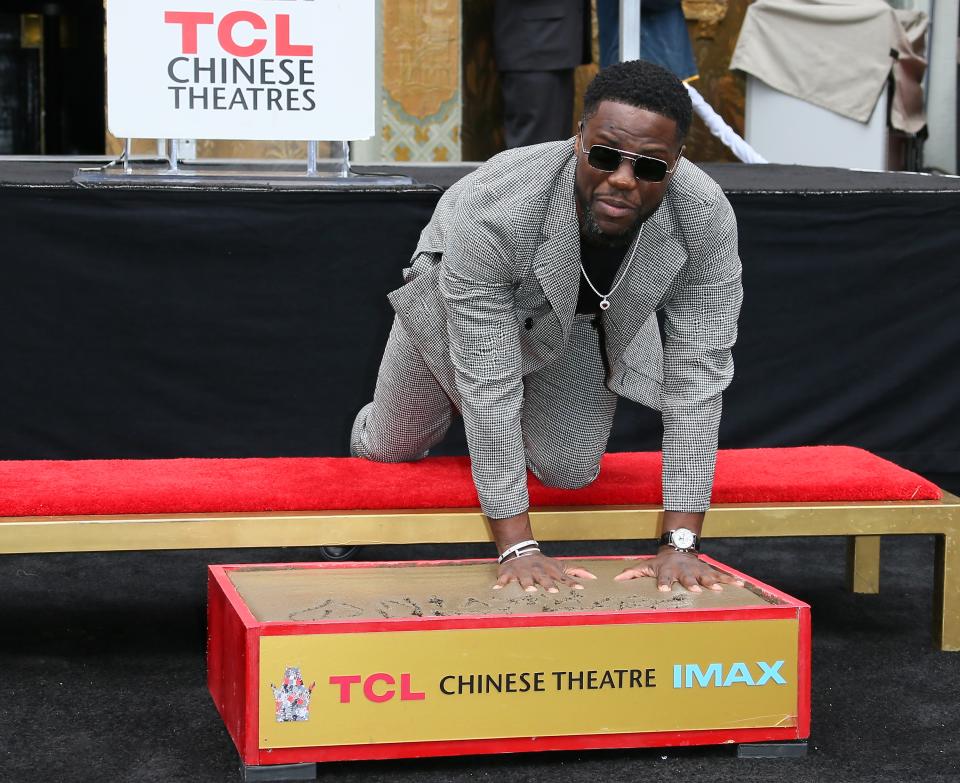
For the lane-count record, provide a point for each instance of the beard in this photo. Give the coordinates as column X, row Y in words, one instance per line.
column 594, row 235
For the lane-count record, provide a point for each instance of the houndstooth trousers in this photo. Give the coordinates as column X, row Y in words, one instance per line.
column 566, row 416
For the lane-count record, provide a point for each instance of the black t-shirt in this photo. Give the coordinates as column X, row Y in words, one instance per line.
column 602, row 265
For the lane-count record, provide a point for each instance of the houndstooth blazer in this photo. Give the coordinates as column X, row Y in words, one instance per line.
column 492, row 291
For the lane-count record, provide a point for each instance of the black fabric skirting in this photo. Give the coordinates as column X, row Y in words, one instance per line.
column 173, row 323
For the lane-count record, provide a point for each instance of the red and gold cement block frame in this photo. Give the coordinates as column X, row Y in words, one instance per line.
column 326, row 662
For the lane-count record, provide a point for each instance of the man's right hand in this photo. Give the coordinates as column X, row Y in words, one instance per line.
column 533, row 571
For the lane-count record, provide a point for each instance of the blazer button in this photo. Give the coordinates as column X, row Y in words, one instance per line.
column 528, row 324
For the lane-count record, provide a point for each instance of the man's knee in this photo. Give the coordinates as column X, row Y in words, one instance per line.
column 371, row 442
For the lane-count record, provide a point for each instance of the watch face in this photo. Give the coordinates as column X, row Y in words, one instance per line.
column 682, row 538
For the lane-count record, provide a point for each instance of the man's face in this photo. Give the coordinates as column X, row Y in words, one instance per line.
column 611, row 205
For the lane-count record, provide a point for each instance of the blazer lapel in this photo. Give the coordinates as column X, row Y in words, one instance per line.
column 658, row 254
column 557, row 261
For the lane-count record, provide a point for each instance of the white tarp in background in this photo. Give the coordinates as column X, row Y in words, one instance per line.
column 241, row 69
column 837, row 54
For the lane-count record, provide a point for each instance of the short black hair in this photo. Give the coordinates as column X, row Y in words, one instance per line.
column 644, row 85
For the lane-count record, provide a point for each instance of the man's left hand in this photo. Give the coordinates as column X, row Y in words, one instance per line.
column 670, row 566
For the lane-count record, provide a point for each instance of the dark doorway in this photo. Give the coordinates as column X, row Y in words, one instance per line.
column 51, row 77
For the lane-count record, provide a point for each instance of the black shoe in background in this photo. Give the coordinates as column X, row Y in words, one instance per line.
column 338, row 553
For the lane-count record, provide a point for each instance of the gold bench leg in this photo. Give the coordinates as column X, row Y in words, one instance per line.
column 863, row 564
column 946, row 594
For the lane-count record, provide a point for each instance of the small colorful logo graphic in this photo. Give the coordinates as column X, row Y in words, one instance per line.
column 292, row 697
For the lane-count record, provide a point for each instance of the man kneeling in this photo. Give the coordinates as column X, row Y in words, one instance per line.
column 530, row 307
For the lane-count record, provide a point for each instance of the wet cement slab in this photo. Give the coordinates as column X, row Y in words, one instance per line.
column 285, row 593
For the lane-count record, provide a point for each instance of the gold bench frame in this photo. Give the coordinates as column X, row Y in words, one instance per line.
column 862, row 522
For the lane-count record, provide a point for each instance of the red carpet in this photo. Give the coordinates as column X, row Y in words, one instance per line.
column 54, row 488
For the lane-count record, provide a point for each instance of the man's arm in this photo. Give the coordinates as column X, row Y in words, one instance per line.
column 477, row 286
column 700, row 330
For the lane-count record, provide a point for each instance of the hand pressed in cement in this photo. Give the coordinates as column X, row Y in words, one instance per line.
column 534, row 570
column 407, row 607
column 670, row 566
column 328, row 608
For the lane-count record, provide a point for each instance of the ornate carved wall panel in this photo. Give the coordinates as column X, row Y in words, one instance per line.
column 421, row 80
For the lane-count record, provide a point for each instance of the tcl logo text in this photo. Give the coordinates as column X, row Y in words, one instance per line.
column 378, row 688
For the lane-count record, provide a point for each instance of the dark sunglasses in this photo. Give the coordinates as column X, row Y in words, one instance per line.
column 604, row 158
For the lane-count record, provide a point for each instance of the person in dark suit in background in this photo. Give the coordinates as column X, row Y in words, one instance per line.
column 537, row 45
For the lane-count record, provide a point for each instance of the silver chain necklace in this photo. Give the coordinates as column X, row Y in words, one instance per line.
column 605, row 299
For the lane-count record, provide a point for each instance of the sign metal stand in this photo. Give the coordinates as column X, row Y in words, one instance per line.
column 169, row 169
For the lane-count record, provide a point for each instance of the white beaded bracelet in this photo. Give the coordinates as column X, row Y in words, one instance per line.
column 531, row 545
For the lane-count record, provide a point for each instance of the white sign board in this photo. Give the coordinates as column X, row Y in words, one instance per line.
column 241, row 69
